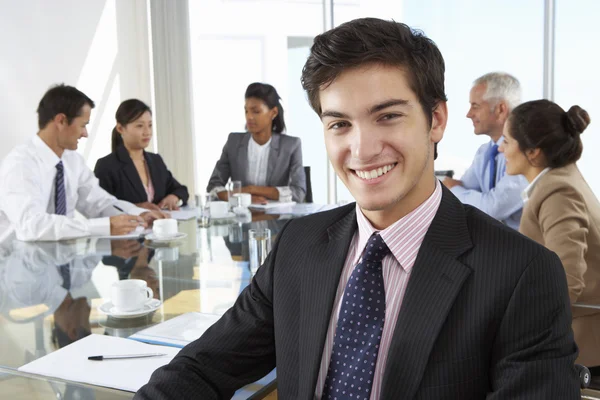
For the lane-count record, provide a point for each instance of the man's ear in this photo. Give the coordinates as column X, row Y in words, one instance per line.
column 439, row 119
column 60, row 120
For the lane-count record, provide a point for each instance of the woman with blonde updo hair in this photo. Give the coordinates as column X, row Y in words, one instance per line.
column 543, row 142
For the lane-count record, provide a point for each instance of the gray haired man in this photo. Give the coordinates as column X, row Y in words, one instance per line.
column 485, row 184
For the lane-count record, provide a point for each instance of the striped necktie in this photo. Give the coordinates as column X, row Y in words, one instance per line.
column 60, row 197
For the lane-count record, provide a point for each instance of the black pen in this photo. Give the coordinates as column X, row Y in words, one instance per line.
column 120, row 209
column 116, row 357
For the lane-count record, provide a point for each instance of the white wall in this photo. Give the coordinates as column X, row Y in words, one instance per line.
column 99, row 46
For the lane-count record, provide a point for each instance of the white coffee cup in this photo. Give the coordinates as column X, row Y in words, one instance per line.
column 218, row 209
column 165, row 227
column 245, row 199
column 130, row 294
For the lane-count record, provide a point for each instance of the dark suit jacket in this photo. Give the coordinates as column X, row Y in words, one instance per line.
column 284, row 167
column 118, row 176
column 486, row 313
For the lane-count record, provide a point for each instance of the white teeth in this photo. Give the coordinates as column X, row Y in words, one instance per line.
column 375, row 173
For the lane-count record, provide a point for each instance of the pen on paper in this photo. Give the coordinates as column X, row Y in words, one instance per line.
column 124, row 356
column 123, row 211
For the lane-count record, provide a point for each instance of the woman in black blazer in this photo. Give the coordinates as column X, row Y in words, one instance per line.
column 130, row 173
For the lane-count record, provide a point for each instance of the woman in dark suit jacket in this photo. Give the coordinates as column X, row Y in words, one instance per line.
column 130, row 173
column 268, row 163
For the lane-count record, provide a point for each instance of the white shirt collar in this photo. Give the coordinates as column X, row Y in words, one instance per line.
column 527, row 192
column 48, row 156
column 260, row 146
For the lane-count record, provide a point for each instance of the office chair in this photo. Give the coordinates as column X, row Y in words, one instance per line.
column 309, row 196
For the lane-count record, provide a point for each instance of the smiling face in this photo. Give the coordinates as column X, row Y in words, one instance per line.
column 379, row 140
column 69, row 134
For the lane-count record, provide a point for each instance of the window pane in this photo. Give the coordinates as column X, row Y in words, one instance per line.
column 577, row 81
column 235, row 43
column 474, row 38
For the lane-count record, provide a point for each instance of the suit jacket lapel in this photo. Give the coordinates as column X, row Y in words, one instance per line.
column 154, row 172
column 322, row 266
column 242, row 159
column 436, row 280
column 273, row 155
column 130, row 172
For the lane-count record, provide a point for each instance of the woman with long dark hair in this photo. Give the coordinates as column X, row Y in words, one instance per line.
column 130, row 172
column 543, row 142
column 267, row 162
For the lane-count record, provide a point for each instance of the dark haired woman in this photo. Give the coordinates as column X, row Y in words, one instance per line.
column 268, row 163
column 542, row 142
column 133, row 174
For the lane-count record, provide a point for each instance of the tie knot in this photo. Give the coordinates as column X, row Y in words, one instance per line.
column 494, row 150
column 59, row 166
column 376, row 249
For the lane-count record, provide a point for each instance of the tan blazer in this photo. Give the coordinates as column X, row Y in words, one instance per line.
column 563, row 214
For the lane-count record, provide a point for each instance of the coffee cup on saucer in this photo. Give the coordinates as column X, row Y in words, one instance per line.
column 164, row 228
column 130, row 295
column 219, row 209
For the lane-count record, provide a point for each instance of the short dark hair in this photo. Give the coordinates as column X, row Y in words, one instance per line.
column 545, row 125
column 374, row 41
column 268, row 94
column 61, row 99
column 128, row 111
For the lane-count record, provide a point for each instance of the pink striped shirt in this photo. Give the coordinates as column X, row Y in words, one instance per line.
column 404, row 238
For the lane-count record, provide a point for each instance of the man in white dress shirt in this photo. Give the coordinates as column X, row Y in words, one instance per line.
column 44, row 181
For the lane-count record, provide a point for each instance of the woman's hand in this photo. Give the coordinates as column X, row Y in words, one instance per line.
column 169, row 203
column 148, row 206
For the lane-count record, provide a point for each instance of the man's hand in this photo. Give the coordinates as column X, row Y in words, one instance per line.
column 169, row 203
column 124, row 224
column 148, row 206
column 125, row 248
column 450, row 182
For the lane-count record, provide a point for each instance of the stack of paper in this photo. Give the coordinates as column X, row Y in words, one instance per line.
column 178, row 331
column 71, row 363
column 184, row 213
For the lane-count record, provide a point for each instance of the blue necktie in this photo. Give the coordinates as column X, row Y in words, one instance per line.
column 359, row 328
column 492, row 163
column 60, row 197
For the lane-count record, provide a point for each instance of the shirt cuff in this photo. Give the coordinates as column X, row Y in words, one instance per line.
column 99, row 226
column 217, row 190
column 285, row 194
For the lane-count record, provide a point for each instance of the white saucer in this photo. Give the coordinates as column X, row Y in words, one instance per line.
column 110, row 310
column 154, row 238
column 229, row 215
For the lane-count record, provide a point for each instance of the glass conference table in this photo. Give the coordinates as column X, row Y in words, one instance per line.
column 40, row 313
column 204, row 272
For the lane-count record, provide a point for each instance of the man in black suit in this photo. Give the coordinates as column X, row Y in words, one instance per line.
column 442, row 303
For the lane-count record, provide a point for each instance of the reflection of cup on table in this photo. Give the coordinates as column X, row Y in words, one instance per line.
column 218, row 209
column 204, row 205
column 259, row 246
column 130, row 294
column 167, row 254
column 164, row 228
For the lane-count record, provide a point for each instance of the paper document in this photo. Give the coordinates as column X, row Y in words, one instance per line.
column 184, row 213
column 302, row 209
column 178, row 331
column 137, row 233
column 71, row 363
column 271, row 204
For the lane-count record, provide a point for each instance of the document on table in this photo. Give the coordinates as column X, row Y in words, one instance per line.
column 184, row 213
column 178, row 331
column 71, row 363
column 302, row 209
column 271, row 204
column 137, row 233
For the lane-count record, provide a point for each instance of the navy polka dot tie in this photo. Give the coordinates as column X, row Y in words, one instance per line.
column 359, row 327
